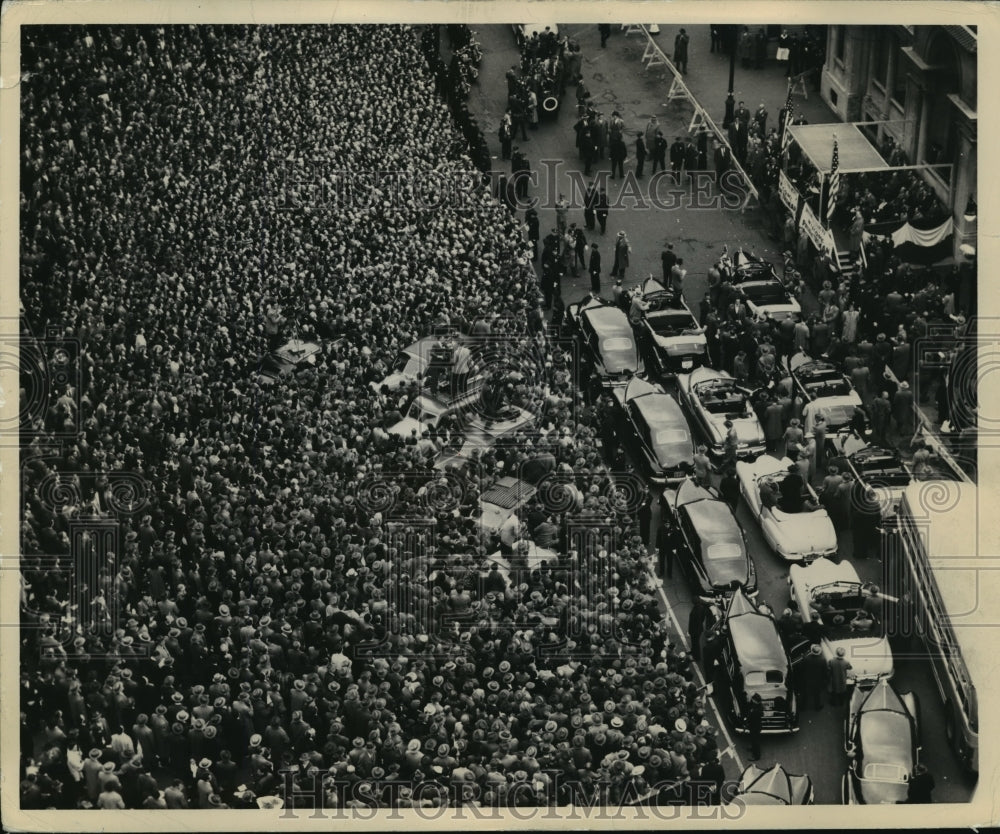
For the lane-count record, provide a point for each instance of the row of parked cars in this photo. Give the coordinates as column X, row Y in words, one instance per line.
column 882, row 725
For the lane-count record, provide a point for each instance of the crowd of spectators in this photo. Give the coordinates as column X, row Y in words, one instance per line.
column 291, row 596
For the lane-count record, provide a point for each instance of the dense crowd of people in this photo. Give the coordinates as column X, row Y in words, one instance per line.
column 293, row 596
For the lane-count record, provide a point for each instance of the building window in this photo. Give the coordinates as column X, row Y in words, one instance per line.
column 898, row 91
column 883, row 50
column 838, row 42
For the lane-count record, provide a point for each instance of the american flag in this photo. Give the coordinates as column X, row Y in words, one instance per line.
column 786, row 135
column 831, row 197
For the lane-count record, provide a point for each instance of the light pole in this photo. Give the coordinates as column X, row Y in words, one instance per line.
column 730, row 101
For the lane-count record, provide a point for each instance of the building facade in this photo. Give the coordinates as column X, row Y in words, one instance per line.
column 918, row 86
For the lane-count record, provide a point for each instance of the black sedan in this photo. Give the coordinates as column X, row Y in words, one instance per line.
column 883, row 744
column 606, row 339
column 709, row 543
column 656, row 430
column 752, row 661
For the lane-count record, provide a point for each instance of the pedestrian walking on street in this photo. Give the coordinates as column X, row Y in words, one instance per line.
column 839, row 667
column 602, row 210
column 866, row 516
column 702, row 466
column 579, row 248
column 812, row 677
column 622, row 249
column 677, row 158
column 677, row 275
column 881, row 414
column 659, row 151
column 605, row 30
column 618, row 152
column 640, row 155
column 681, row 51
column 595, row 270
column 921, row 785
column 667, row 259
column 755, row 724
column 652, row 129
column 562, row 214
column 589, row 205
column 696, row 626
column 729, row 487
column 713, row 777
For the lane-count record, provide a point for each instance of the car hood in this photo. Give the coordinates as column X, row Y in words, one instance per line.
column 870, row 657
column 405, row 427
column 393, row 381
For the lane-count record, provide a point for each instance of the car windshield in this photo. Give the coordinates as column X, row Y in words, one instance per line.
column 724, row 550
column 409, row 365
column 425, row 411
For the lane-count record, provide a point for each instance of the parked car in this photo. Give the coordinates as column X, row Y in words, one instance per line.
column 501, row 500
column 752, row 661
column 748, row 267
column 481, row 433
column 606, row 339
column 884, row 470
column 669, row 335
column 291, row 358
column 882, row 743
column 655, row 429
column 815, row 379
column 712, row 397
column 708, row 542
column 837, row 593
column 772, row 786
column 410, row 364
column 770, row 297
column 426, row 411
column 794, row 536
column 825, row 390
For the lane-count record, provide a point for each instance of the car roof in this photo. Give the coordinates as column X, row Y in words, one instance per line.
column 714, row 522
column 608, row 321
column 659, row 410
column 755, row 637
column 774, row 782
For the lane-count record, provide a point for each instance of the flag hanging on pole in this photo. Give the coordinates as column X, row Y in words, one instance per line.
column 786, row 136
column 831, row 197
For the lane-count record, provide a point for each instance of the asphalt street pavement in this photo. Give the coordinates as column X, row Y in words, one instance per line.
column 618, row 81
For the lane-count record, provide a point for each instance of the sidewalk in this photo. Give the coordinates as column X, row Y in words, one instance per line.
column 708, row 75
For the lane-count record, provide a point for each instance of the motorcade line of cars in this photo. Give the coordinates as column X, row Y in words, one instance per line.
column 710, row 549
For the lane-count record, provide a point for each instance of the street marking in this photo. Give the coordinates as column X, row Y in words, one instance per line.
column 697, row 665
